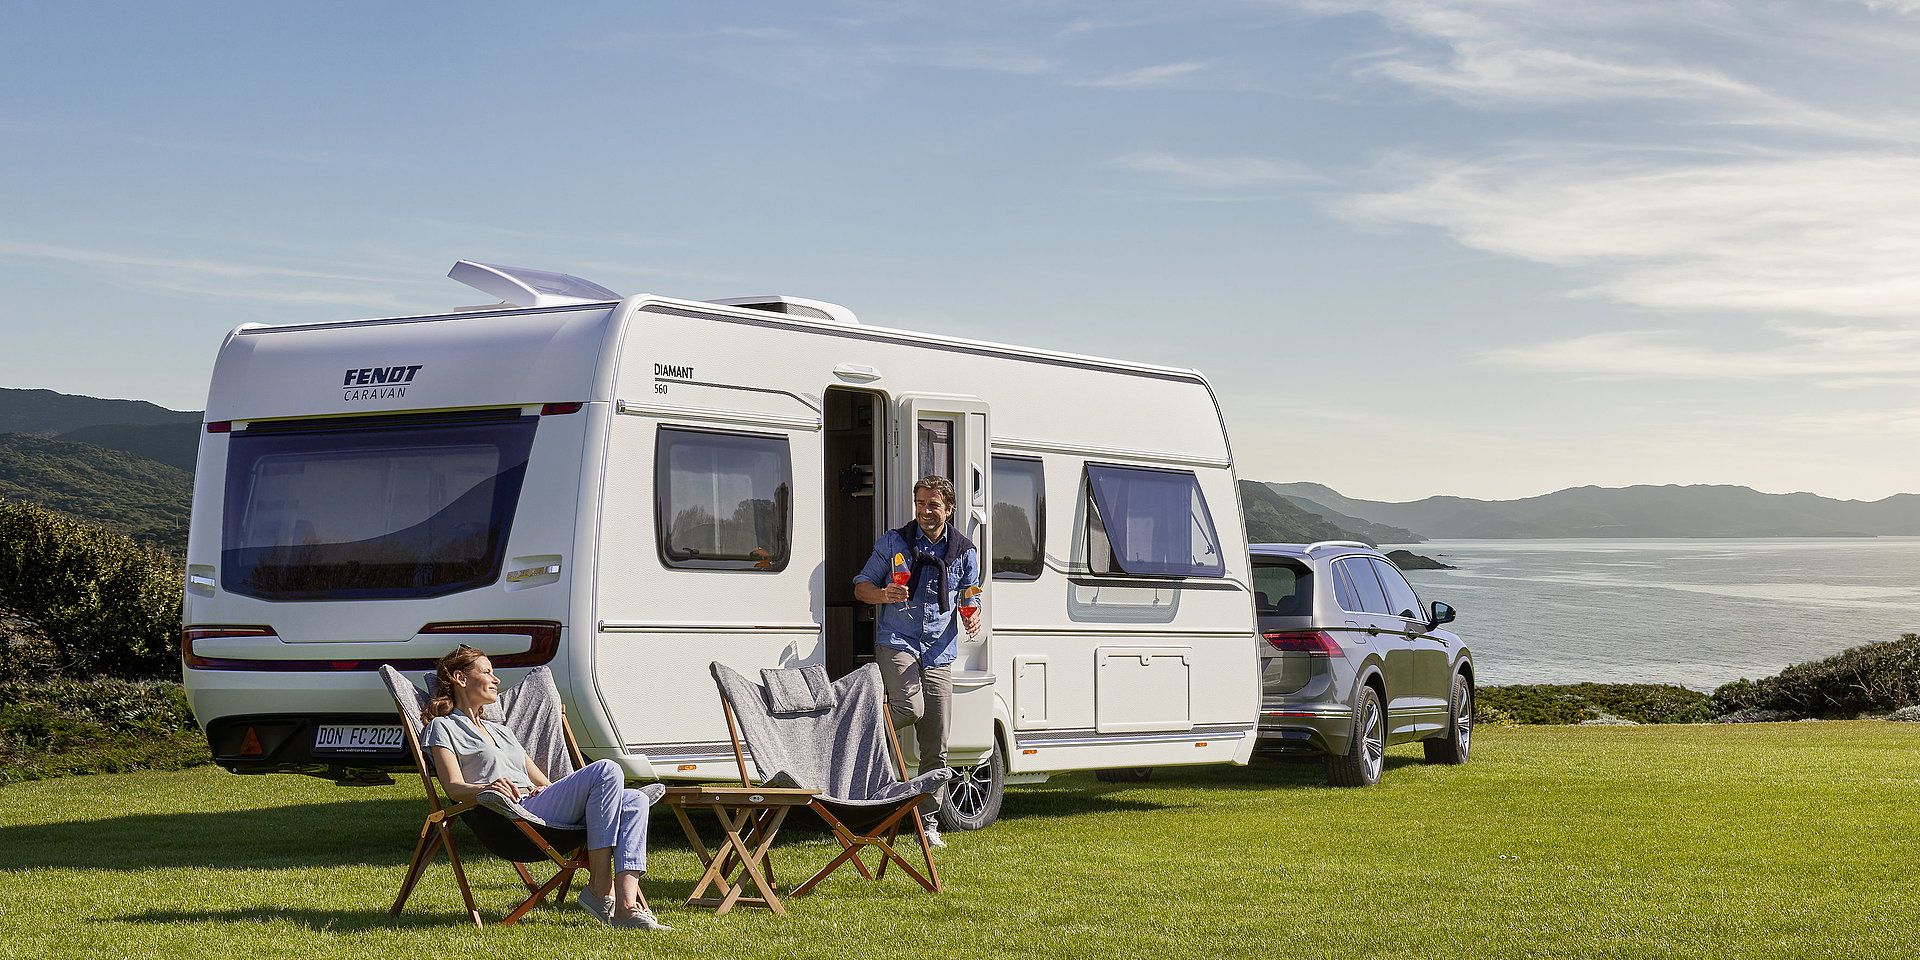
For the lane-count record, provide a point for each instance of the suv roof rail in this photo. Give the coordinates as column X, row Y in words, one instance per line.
column 1339, row 543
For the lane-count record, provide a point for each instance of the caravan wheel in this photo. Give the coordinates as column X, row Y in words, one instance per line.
column 973, row 795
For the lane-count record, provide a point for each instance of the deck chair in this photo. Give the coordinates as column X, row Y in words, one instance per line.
column 532, row 710
column 835, row 738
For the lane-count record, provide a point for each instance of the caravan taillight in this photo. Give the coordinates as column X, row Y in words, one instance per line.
column 220, row 426
column 556, row 409
column 543, row 638
column 193, row 634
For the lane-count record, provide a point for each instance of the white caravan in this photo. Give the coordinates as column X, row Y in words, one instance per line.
column 626, row 489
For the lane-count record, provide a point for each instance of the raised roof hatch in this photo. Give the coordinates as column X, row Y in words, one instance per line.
column 526, row 287
column 794, row 307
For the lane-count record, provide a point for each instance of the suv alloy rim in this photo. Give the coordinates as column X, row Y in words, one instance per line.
column 1373, row 748
column 1463, row 721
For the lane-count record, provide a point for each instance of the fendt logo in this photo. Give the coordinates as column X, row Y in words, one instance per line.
column 378, row 383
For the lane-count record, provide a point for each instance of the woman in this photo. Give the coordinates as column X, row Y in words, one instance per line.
column 474, row 755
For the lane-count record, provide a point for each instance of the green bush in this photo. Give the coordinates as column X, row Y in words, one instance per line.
column 82, row 600
column 1575, row 702
column 63, row 727
column 1872, row 679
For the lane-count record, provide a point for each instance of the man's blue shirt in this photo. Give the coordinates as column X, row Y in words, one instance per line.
column 919, row 626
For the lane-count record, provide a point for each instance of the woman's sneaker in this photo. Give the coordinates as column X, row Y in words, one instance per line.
column 643, row 919
column 599, row 908
column 933, row 833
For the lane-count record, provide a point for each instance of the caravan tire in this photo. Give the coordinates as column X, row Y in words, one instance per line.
column 974, row 793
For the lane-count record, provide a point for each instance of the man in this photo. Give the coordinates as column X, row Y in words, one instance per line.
column 917, row 637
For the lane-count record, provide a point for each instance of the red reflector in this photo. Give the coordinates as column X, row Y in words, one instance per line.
column 556, row 409
column 250, row 747
column 220, row 426
column 1313, row 643
column 345, row 664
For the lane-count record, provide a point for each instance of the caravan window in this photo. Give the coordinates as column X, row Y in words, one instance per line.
column 1150, row 523
column 724, row 500
column 371, row 509
column 1019, row 515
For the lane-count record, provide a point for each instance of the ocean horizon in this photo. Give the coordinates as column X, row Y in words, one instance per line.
column 1697, row 613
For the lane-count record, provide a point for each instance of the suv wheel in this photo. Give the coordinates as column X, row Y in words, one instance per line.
column 1454, row 747
column 1366, row 752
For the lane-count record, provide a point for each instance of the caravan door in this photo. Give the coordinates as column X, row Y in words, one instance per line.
column 945, row 435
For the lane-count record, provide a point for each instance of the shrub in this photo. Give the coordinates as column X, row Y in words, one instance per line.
column 83, row 600
column 1875, row 678
column 62, row 727
column 1577, row 702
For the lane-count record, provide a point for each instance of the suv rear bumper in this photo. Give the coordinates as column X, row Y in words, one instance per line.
column 1305, row 728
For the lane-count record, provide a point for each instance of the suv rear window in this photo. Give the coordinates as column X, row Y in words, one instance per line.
column 375, row 509
column 1282, row 589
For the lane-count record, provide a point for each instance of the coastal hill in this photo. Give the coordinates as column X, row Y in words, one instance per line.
column 1630, row 512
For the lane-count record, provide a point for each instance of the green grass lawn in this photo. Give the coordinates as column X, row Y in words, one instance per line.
column 1762, row 840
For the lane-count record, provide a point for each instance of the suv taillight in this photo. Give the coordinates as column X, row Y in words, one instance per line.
column 1313, row 643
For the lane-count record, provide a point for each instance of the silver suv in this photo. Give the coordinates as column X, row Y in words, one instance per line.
column 1353, row 661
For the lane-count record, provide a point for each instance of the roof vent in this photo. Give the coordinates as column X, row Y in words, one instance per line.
column 525, row 287
column 794, row 307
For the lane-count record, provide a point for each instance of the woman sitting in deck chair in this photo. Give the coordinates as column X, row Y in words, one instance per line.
column 473, row 756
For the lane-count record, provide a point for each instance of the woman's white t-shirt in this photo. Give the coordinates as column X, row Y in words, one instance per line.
column 481, row 762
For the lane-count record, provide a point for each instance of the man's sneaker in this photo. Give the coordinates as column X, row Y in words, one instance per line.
column 933, row 833
column 642, row 920
column 599, row 908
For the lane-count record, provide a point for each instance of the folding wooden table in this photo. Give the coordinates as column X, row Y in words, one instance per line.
column 750, row 817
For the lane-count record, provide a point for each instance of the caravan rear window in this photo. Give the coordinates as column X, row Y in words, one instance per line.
column 725, row 500
column 371, row 510
column 1150, row 523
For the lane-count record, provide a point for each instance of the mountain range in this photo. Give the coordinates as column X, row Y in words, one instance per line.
column 1699, row 510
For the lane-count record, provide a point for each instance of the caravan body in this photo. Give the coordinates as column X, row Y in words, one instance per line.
column 628, row 489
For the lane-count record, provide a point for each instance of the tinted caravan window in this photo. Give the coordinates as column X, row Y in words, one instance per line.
column 1150, row 523
column 1019, row 505
column 380, row 509
column 724, row 500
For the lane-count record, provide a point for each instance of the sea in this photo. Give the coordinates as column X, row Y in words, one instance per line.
column 1696, row 613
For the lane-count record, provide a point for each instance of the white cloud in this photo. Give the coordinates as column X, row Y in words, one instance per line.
column 1164, row 75
column 1823, row 233
column 199, row 276
column 1847, row 356
column 1217, row 173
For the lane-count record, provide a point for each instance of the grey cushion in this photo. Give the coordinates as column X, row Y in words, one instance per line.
column 797, row 690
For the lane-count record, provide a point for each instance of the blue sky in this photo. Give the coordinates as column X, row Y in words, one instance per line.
column 1487, row 248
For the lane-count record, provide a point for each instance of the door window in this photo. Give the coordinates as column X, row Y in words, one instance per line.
column 1400, row 596
column 1366, row 585
column 935, row 449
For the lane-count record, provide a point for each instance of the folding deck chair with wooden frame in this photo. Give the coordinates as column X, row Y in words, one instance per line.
column 532, row 710
column 836, row 738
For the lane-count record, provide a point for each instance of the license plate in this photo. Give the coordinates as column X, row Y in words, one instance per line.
column 356, row 738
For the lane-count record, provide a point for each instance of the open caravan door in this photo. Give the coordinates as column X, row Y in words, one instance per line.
column 945, row 435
